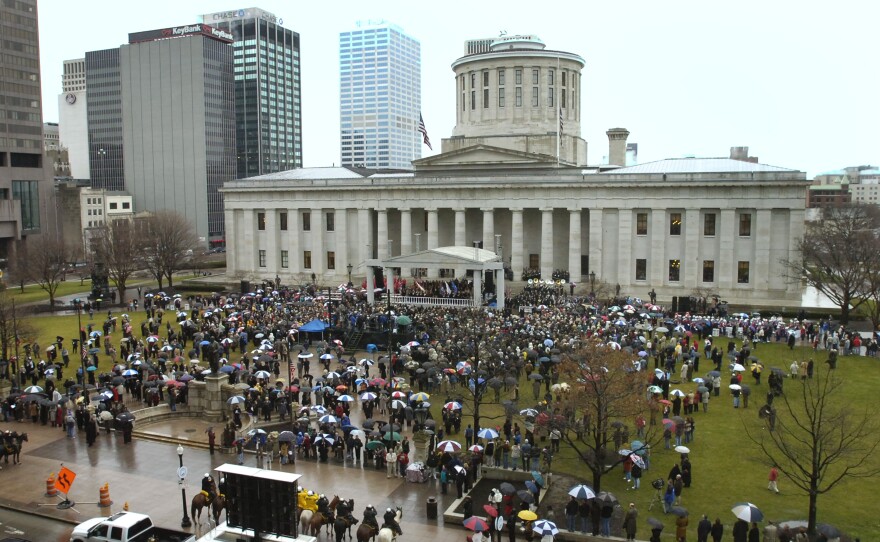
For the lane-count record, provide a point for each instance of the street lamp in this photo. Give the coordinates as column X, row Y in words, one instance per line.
column 79, row 340
column 181, row 474
column 592, row 282
column 349, row 268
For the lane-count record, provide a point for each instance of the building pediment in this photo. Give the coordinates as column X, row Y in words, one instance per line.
column 483, row 156
column 445, row 257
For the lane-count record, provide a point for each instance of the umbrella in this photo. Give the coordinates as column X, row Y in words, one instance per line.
column 476, row 448
column 713, row 374
column 392, row 435
column 398, row 395
column 747, row 511
column 636, row 459
column 655, row 389
column 487, row 433
column 735, row 387
column 679, row 511
column 655, row 523
column 421, row 396
column 475, row 524
column 703, row 389
column 449, row 446
column 235, row 400
column 395, row 404
column 286, row 436
column 661, row 329
column 698, row 380
column 528, row 412
column 682, row 449
column 525, row 496
column 506, row 488
column 538, row 478
column 638, row 447
column 368, row 396
column 535, row 376
column 605, row 497
column 374, row 445
column 491, row 510
column 325, row 438
column 33, row 389
column 532, row 486
column 125, row 417
column 345, row 398
column 582, row 491
column 106, row 415
column 265, row 375
column 452, row 405
column 527, row 515
column 677, row 393
column 328, row 418
column 545, row 528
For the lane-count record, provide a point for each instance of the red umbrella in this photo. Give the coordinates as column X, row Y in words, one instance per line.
column 294, row 389
column 475, row 524
column 491, row 510
column 665, row 402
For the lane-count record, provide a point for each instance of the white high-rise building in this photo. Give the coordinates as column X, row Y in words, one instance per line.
column 73, row 126
column 379, row 96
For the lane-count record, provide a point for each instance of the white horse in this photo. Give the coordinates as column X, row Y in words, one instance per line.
column 305, row 519
column 386, row 534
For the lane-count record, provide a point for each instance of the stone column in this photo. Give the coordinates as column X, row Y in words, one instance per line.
column 659, row 274
column 364, row 235
column 795, row 234
column 232, row 242
column 342, row 242
column 546, row 244
column 460, row 232
column 214, row 404
column 489, row 229
column 693, row 268
column 517, row 263
column 624, row 250
column 499, row 287
column 294, row 255
column 596, row 237
column 478, row 288
column 318, row 249
column 249, row 257
column 433, row 236
column 271, row 246
column 726, row 244
column 371, row 284
column 406, row 238
column 574, row 245
column 759, row 280
column 382, row 240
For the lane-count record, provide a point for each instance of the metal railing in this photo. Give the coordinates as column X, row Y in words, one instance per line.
column 432, row 301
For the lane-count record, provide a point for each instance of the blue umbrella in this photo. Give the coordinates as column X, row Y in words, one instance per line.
column 205, row 343
column 545, row 528
column 91, row 368
column 538, row 478
column 372, row 348
column 533, row 487
column 638, row 447
column 227, row 369
column 487, row 433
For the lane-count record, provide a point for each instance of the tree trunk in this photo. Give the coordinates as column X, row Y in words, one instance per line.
column 844, row 311
column 811, row 517
column 170, row 280
column 476, row 414
column 122, row 289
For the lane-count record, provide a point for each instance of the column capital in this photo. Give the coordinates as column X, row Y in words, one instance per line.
column 546, row 209
column 487, row 209
column 405, row 210
column 516, row 209
column 573, row 211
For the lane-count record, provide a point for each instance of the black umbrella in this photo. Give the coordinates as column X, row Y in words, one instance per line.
column 507, row 488
column 525, row 496
column 655, row 523
column 605, row 497
column 679, row 511
column 125, row 417
column 390, row 427
column 535, row 376
column 369, row 423
column 495, row 383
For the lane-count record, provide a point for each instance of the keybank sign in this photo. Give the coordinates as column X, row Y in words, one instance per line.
column 183, row 30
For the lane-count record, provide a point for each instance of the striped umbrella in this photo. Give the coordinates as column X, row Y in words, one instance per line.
column 582, row 491
column 449, row 446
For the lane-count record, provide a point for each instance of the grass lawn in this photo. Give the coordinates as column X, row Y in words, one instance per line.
column 33, row 293
column 727, row 467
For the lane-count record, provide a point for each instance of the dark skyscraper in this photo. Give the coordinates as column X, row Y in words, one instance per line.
column 267, row 91
column 24, row 183
column 104, row 114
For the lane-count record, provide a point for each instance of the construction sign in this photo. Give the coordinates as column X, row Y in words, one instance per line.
column 64, row 480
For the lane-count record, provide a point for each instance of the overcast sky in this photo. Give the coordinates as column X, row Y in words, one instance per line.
column 798, row 82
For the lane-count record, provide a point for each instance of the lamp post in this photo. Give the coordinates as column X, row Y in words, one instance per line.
column 79, row 341
column 592, row 283
column 349, row 268
column 181, row 474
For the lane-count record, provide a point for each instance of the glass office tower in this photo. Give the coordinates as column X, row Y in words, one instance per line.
column 379, row 96
column 267, row 90
column 104, row 118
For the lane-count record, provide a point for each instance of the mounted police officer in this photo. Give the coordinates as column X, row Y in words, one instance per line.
column 344, row 510
column 391, row 521
column 208, row 486
column 370, row 517
column 324, row 508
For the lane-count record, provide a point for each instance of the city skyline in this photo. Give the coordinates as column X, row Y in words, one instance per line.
column 685, row 81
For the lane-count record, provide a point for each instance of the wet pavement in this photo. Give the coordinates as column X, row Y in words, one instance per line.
column 143, row 474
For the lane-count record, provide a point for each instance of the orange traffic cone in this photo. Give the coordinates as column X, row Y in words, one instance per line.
column 104, row 496
column 50, row 486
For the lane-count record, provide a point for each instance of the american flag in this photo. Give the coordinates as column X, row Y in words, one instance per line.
column 84, row 352
column 560, row 120
column 424, row 132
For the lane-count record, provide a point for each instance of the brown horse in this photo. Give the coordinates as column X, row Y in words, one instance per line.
column 319, row 520
column 366, row 532
column 217, row 507
column 199, row 501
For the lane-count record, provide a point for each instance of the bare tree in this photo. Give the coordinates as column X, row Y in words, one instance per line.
column 45, row 259
column 837, row 254
column 12, row 326
column 819, row 437
column 606, row 392
column 118, row 246
column 168, row 242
